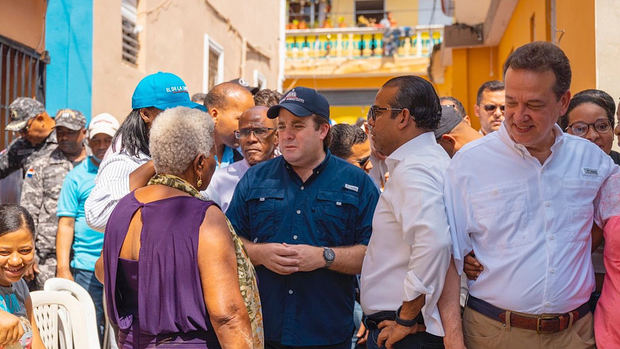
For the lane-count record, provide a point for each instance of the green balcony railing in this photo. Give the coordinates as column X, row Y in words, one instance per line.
column 362, row 42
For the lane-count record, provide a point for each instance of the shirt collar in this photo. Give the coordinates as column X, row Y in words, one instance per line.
column 317, row 169
column 520, row 148
column 91, row 167
column 413, row 146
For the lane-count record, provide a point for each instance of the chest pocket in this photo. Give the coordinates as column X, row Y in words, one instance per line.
column 502, row 215
column 334, row 215
column 579, row 196
column 265, row 209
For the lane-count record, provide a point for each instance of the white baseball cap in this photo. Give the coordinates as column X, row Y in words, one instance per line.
column 103, row 123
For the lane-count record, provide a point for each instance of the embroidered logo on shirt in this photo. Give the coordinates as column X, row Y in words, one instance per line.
column 351, row 187
column 589, row 171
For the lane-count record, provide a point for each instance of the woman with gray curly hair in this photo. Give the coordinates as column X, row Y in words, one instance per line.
column 175, row 273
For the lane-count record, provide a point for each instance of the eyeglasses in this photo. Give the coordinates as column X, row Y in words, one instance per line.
column 492, row 107
column 372, row 112
column 363, row 161
column 259, row 132
column 580, row 128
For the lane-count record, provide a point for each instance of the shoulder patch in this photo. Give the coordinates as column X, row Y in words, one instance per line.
column 30, row 172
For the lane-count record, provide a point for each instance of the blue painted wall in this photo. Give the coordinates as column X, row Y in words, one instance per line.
column 69, row 40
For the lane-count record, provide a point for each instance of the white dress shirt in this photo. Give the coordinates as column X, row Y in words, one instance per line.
column 409, row 250
column 111, row 184
column 224, row 181
column 528, row 224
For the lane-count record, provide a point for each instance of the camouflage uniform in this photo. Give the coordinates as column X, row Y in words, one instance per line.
column 20, row 153
column 40, row 193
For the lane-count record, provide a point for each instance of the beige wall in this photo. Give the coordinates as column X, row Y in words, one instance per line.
column 173, row 40
column 607, row 45
column 24, row 22
column 404, row 12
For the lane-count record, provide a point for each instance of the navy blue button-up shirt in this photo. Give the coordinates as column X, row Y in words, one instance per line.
column 334, row 207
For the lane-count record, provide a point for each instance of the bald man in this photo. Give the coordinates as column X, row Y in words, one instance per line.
column 225, row 102
column 258, row 138
column 453, row 131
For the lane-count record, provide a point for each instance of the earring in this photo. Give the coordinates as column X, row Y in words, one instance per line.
column 199, row 183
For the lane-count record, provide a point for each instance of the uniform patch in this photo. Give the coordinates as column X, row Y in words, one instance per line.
column 351, row 187
column 589, row 171
column 30, row 172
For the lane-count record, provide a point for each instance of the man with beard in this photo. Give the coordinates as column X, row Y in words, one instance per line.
column 258, row 139
column 41, row 190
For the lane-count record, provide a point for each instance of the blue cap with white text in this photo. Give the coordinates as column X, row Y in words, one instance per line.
column 301, row 101
column 162, row 91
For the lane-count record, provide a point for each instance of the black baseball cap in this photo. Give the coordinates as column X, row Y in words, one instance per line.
column 301, row 101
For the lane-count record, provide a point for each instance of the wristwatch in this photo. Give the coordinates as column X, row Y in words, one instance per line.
column 329, row 255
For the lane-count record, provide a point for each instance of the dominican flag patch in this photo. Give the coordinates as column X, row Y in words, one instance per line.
column 30, row 173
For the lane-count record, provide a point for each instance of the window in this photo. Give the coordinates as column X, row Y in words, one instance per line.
column 213, row 66
column 131, row 46
column 373, row 10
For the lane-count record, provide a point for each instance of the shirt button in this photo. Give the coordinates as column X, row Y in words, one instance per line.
column 255, row 240
column 551, row 237
column 294, row 237
column 547, row 303
column 547, row 204
column 298, row 211
column 302, row 187
column 290, row 291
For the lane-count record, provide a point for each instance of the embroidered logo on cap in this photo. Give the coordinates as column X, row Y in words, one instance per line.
column 292, row 96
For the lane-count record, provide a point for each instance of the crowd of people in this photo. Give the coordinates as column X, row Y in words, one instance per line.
column 245, row 219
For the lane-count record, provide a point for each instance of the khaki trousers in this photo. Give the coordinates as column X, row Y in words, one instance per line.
column 481, row 332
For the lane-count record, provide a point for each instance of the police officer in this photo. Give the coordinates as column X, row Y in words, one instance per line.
column 41, row 189
column 37, row 137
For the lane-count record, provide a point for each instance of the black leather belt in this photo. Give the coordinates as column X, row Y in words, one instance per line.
column 372, row 321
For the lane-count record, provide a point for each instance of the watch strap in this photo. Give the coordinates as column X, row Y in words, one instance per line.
column 403, row 322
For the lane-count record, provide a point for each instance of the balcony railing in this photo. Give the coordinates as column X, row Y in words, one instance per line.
column 364, row 42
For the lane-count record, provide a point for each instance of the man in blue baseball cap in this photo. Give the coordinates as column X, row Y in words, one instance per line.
column 305, row 219
column 128, row 165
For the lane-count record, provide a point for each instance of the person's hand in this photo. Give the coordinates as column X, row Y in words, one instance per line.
column 309, row 257
column 279, row 258
column 64, row 273
column 31, row 272
column 392, row 333
column 472, row 267
column 362, row 334
column 11, row 329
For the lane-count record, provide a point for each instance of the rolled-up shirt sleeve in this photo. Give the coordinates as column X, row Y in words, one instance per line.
column 111, row 184
column 457, row 212
column 419, row 208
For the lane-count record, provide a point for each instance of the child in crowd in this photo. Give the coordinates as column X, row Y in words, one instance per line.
column 16, row 256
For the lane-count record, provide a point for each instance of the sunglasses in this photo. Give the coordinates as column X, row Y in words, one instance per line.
column 492, row 107
column 259, row 132
column 580, row 128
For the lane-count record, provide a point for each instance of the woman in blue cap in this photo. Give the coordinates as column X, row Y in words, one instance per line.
column 128, row 164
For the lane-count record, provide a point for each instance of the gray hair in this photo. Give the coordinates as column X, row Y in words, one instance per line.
column 177, row 136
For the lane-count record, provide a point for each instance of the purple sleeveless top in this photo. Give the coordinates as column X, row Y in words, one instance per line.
column 158, row 300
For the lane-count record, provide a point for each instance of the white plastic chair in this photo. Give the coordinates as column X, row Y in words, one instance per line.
column 65, row 315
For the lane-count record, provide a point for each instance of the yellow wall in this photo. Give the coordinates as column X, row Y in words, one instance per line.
column 518, row 31
column 576, row 18
column 473, row 66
